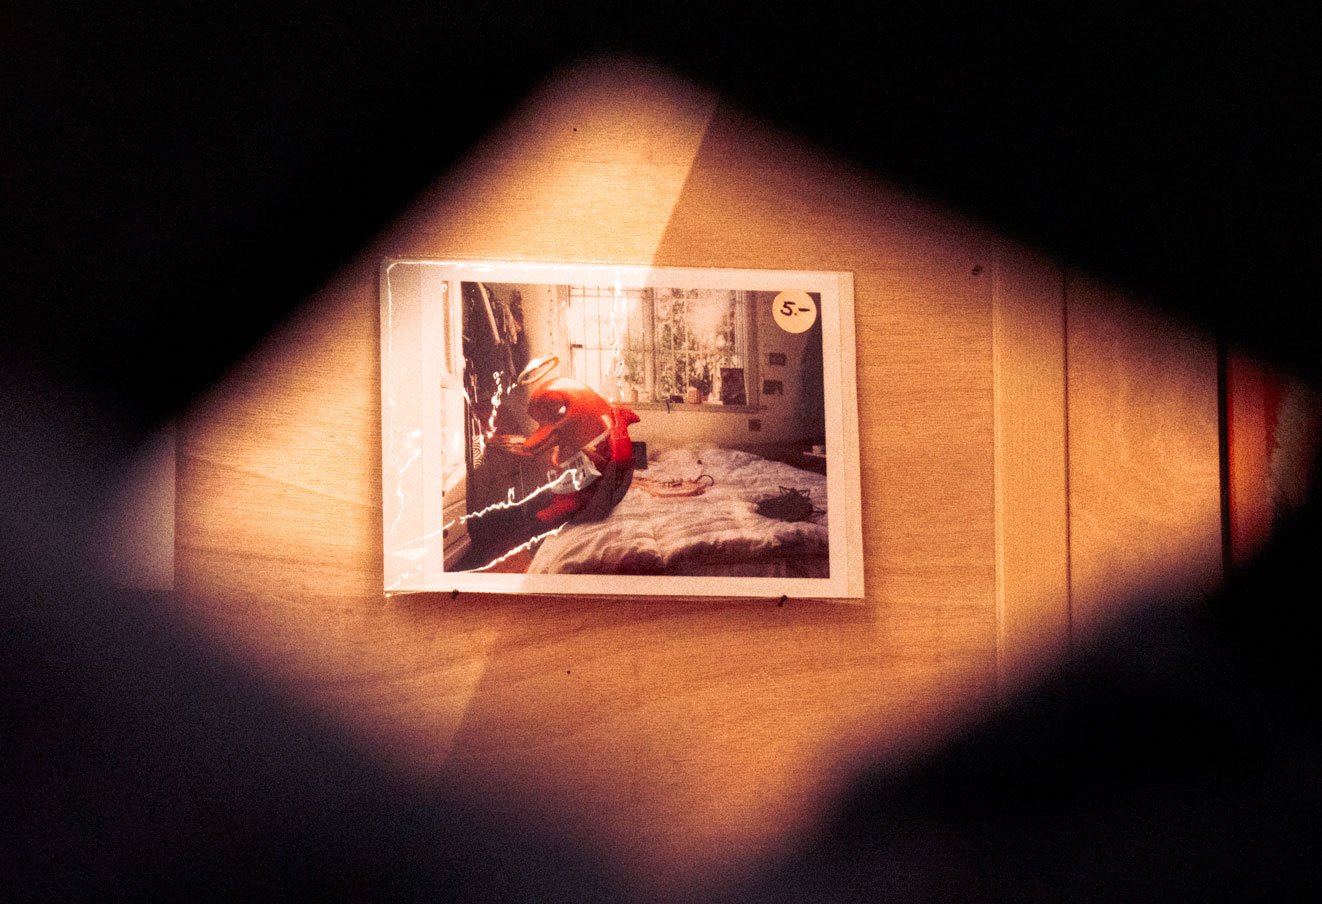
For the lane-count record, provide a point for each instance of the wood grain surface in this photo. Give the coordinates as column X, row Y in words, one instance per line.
column 683, row 739
column 1032, row 480
column 1144, row 465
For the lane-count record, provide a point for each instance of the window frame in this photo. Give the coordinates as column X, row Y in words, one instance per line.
column 651, row 351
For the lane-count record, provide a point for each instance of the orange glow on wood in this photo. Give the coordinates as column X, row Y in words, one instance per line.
column 686, row 740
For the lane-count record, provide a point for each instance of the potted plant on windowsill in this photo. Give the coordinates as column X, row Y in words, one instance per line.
column 632, row 380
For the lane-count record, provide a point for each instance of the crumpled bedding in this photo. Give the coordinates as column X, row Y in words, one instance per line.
column 717, row 533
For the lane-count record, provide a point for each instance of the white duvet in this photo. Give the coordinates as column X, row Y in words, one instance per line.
column 719, row 532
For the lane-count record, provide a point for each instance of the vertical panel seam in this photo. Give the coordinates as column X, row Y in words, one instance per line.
column 1223, row 450
column 998, row 466
column 1069, row 514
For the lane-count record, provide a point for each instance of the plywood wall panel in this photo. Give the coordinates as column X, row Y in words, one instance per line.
column 923, row 317
column 587, row 170
column 1144, row 461
column 1032, row 492
column 677, row 737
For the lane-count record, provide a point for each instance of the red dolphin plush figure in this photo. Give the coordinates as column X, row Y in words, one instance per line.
column 574, row 420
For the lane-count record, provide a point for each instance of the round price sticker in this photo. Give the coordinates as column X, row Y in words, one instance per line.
column 794, row 311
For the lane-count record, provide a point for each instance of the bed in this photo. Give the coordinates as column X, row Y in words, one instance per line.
column 717, row 533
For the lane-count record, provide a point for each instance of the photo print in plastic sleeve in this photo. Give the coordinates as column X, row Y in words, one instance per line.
column 552, row 428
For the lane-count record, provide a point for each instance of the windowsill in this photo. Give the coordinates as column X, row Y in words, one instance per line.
column 685, row 406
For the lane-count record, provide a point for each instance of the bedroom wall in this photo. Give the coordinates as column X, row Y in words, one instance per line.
column 682, row 740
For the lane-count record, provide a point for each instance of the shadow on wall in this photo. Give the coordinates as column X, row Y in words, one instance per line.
column 1177, row 756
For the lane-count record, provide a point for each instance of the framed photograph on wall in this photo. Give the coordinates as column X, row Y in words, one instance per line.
column 550, row 428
